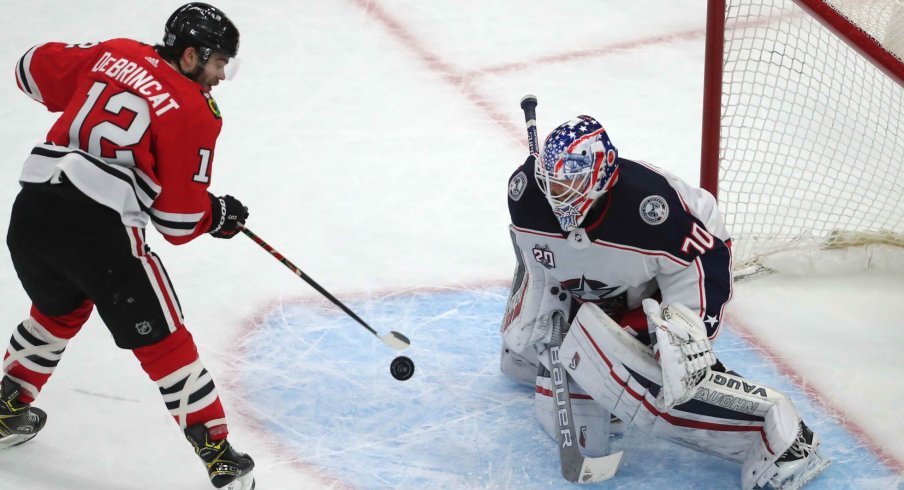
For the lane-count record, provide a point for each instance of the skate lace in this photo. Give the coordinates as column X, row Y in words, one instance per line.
column 799, row 450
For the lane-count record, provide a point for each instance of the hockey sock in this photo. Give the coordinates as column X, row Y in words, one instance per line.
column 37, row 346
column 186, row 386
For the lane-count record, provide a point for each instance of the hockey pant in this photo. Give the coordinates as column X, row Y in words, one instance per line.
column 729, row 416
column 71, row 255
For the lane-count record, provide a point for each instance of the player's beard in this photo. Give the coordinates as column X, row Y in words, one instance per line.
column 195, row 75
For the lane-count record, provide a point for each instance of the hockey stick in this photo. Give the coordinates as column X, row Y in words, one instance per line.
column 393, row 339
column 576, row 467
column 529, row 106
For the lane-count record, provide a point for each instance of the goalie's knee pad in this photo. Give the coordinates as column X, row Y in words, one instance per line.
column 591, row 420
column 727, row 415
column 610, row 364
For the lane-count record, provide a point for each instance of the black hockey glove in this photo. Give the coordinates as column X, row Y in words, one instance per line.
column 227, row 214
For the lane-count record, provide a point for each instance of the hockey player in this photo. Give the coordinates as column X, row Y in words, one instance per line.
column 134, row 142
column 638, row 263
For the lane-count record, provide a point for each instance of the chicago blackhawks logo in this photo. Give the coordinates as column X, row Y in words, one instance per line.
column 212, row 104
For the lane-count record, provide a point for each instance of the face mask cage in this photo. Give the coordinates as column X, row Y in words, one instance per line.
column 577, row 166
column 568, row 186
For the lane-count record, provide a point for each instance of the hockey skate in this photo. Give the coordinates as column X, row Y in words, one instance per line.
column 800, row 463
column 19, row 422
column 616, row 426
column 226, row 467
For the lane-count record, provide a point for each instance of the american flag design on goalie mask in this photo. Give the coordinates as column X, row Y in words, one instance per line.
column 568, row 139
column 579, row 164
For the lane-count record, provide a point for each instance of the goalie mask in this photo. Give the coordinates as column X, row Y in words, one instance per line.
column 577, row 166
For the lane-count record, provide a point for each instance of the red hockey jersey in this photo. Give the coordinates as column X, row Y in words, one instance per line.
column 134, row 134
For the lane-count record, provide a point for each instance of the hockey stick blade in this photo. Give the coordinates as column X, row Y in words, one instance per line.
column 395, row 340
column 592, row 470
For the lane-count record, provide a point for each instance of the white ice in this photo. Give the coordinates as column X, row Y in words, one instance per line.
column 372, row 141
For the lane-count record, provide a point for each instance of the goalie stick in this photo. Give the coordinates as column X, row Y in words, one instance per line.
column 393, row 339
column 529, row 106
column 576, row 467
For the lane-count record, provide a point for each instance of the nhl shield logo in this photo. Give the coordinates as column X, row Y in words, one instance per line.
column 143, row 327
column 517, row 186
column 654, row 210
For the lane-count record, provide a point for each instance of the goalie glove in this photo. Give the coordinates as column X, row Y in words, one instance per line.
column 682, row 348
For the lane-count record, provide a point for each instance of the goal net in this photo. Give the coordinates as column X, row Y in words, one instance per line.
column 803, row 140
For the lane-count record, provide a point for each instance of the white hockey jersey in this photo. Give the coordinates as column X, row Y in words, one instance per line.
column 651, row 235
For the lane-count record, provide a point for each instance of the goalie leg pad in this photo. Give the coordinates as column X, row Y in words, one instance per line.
column 519, row 368
column 591, row 420
column 616, row 369
column 727, row 415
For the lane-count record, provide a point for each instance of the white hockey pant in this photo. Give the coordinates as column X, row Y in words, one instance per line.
column 728, row 416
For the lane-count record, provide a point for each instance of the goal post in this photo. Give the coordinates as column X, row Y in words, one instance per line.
column 803, row 125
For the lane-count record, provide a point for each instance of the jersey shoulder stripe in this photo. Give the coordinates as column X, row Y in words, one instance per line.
column 24, row 78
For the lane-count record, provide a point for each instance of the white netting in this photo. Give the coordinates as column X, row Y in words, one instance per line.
column 811, row 149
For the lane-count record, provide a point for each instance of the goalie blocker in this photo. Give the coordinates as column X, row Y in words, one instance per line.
column 718, row 413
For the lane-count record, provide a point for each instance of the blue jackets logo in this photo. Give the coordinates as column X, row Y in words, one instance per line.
column 517, row 186
column 654, row 210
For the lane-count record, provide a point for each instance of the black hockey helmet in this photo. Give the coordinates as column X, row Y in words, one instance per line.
column 203, row 27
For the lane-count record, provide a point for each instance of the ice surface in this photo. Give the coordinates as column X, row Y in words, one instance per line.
column 457, row 423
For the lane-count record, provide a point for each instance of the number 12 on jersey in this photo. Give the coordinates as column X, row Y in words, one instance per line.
column 100, row 128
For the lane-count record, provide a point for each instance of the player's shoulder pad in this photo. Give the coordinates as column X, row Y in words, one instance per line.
column 647, row 212
column 124, row 44
column 527, row 204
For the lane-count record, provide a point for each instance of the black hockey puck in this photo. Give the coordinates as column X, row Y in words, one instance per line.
column 401, row 368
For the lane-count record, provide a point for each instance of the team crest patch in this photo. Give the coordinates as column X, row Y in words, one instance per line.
column 517, row 186
column 214, row 108
column 654, row 210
